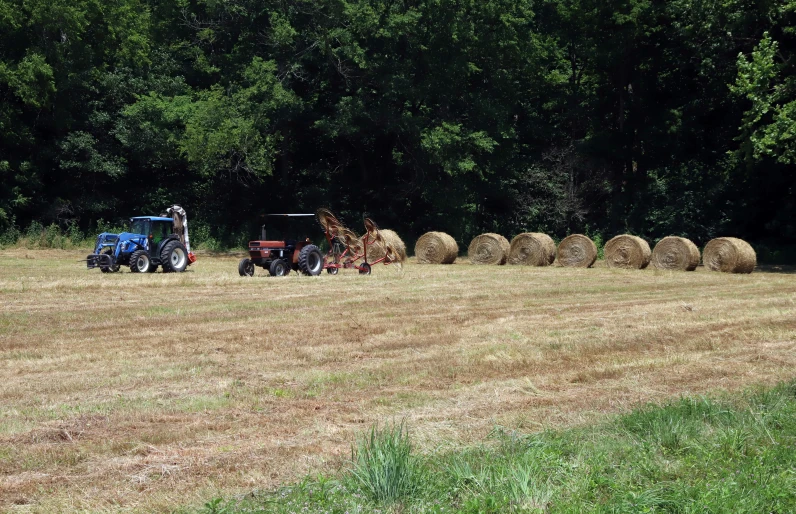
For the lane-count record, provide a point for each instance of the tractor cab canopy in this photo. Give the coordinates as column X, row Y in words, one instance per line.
column 152, row 218
column 289, row 227
column 157, row 228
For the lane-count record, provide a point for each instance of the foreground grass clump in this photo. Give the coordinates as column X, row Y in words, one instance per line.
column 384, row 465
column 689, row 455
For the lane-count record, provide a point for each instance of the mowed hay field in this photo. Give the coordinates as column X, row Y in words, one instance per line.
column 148, row 392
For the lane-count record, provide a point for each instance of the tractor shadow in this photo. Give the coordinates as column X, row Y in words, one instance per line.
column 786, row 269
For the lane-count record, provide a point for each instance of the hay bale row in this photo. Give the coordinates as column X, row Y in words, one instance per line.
column 489, row 248
column 577, row 251
column 532, row 249
column 676, row 254
column 726, row 254
column 436, row 248
column 729, row 255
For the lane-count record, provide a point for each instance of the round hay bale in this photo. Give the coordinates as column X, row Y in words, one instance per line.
column 730, row 255
column 532, row 249
column 675, row 253
column 436, row 248
column 627, row 252
column 489, row 248
column 577, row 251
column 379, row 249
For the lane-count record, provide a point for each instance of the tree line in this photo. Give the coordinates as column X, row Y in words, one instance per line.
column 645, row 116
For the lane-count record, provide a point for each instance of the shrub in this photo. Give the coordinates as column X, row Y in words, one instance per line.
column 202, row 239
column 10, row 236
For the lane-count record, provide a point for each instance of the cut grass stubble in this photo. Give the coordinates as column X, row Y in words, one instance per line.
column 114, row 394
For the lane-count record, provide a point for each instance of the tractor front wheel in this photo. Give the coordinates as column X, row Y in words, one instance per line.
column 310, row 260
column 246, row 268
column 279, row 268
column 174, row 257
column 140, row 262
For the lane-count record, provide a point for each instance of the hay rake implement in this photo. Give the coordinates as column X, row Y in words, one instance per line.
column 345, row 248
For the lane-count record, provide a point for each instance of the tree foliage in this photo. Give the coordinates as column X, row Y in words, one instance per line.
column 469, row 115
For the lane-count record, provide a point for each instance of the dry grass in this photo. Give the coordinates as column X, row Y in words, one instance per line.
column 117, row 397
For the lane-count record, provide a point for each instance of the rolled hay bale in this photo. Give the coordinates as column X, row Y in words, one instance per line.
column 676, row 254
column 532, row 249
column 379, row 249
column 729, row 255
column 436, row 248
column 576, row 251
column 627, row 252
column 489, row 248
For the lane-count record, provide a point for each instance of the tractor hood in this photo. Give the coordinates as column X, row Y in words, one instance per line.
column 108, row 238
column 126, row 236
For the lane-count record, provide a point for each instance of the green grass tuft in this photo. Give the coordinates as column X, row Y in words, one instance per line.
column 384, row 466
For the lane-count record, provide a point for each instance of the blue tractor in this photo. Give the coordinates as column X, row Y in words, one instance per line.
column 151, row 242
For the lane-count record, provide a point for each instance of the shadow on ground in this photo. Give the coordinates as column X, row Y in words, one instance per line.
column 777, row 268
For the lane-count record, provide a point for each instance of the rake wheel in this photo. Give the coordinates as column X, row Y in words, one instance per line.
column 329, row 221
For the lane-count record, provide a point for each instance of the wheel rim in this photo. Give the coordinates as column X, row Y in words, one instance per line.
column 177, row 258
column 315, row 262
column 250, row 268
column 280, row 270
column 142, row 263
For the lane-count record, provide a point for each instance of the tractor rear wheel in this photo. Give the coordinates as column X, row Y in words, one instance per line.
column 174, row 257
column 279, row 268
column 246, row 268
column 140, row 262
column 109, row 269
column 310, row 260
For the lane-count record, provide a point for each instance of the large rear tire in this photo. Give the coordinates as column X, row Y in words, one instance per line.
column 310, row 260
column 246, row 268
column 174, row 257
column 140, row 262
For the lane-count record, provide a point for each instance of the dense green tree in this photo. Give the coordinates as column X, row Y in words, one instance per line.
column 459, row 115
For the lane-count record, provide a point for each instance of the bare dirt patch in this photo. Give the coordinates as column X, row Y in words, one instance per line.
column 130, row 392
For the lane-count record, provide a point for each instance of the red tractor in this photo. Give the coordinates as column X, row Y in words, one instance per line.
column 296, row 252
column 282, row 256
